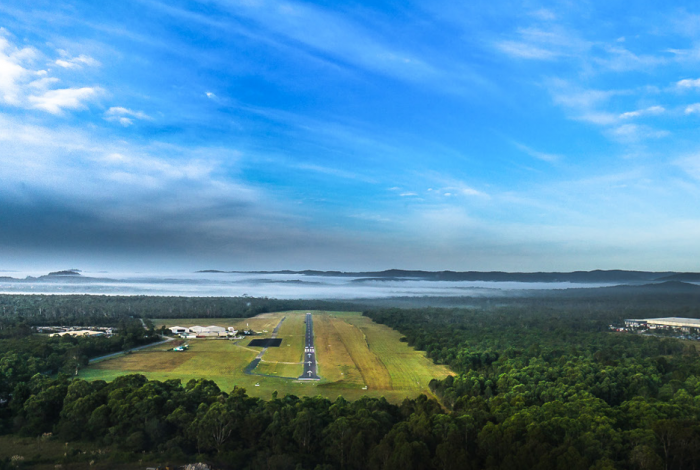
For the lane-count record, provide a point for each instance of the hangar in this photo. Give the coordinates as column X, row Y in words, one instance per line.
column 678, row 323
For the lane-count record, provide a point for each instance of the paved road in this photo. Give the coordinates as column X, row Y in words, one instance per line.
column 309, row 352
column 95, row 359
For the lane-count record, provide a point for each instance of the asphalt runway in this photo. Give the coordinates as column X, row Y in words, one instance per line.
column 309, row 352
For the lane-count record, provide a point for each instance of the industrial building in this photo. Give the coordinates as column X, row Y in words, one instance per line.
column 80, row 333
column 683, row 324
column 203, row 331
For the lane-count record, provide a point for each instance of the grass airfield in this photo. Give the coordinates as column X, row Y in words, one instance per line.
column 352, row 352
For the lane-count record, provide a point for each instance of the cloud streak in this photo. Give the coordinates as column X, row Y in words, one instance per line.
column 124, row 116
column 23, row 86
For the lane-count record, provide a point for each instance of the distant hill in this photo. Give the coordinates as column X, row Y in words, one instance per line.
column 652, row 289
column 683, row 277
column 671, row 287
column 597, row 276
column 68, row 272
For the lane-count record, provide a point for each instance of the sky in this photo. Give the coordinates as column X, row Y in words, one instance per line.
column 255, row 134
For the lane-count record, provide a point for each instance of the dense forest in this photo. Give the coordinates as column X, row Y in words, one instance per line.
column 98, row 310
column 537, row 386
column 24, row 355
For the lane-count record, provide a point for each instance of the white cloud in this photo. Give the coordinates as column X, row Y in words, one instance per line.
column 547, row 157
column 600, row 118
column 327, row 170
column 652, row 110
column 631, row 133
column 525, row 51
column 461, row 189
column 324, row 30
column 543, row 44
column 43, row 83
column 579, row 99
column 584, row 104
column 56, row 101
column 13, row 74
column 69, row 154
column 544, row 14
column 124, row 116
column 692, row 108
column 408, row 194
column 76, row 62
column 620, row 59
column 210, row 95
column 691, row 165
column 688, row 83
column 23, row 87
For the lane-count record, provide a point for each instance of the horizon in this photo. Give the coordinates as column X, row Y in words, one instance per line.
column 83, row 272
column 342, row 285
column 247, row 135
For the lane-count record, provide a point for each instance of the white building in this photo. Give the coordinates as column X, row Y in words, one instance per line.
column 178, row 330
column 683, row 324
column 80, row 333
column 211, row 330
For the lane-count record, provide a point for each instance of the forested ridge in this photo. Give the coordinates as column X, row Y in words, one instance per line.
column 537, row 387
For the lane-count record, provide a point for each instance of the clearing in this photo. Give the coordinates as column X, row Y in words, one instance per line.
column 352, row 352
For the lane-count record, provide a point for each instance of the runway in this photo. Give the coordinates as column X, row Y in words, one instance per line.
column 309, row 359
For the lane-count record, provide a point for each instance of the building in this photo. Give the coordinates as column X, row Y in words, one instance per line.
column 195, row 331
column 80, row 333
column 677, row 323
column 178, row 330
column 211, row 330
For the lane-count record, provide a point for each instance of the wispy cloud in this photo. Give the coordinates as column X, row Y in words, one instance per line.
column 632, row 133
column 544, row 14
column 692, row 108
column 68, row 62
column 124, row 116
column 56, row 101
column 329, row 171
column 690, row 165
column 461, row 189
column 525, row 51
column 584, row 104
column 688, row 83
column 309, row 26
column 620, row 59
column 22, row 85
column 593, row 106
column 543, row 44
column 651, row 110
column 547, row 157
column 13, row 72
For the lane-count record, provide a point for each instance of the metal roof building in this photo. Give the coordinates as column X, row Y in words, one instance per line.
column 670, row 322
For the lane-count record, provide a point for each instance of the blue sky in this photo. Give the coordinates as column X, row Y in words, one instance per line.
column 255, row 134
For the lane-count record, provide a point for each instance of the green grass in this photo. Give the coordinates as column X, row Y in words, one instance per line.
column 409, row 369
column 292, row 332
column 279, row 369
column 346, row 364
